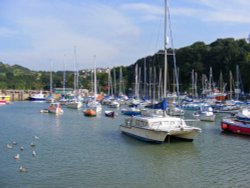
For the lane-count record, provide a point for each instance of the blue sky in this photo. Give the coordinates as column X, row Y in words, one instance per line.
column 39, row 33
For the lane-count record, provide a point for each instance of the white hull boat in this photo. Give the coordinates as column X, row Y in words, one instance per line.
column 205, row 114
column 114, row 104
column 55, row 108
column 95, row 105
column 153, row 129
column 74, row 104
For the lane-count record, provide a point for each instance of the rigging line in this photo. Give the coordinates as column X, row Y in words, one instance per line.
column 174, row 57
column 158, row 34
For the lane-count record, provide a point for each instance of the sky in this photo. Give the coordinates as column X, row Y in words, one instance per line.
column 62, row 34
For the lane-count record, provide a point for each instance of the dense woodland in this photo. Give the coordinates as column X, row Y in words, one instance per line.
column 222, row 55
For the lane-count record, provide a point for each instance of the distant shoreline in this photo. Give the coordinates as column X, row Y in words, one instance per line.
column 20, row 95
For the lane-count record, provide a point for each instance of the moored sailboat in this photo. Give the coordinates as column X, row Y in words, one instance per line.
column 55, row 108
column 159, row 129
column 93, row 106
column 205, row 114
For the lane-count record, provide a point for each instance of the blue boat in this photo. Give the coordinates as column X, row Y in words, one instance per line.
column 131, row 111
column 37, row 97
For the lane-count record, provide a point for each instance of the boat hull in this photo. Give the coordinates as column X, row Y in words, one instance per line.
column 130, row 112
column 187, row 133
column 159, row 136
column 56, row 111
column 74, row 105
column 55, row 108
column 210, row 118
column 109, row 113
column 36, row 99
column 89, row 112
column 3, row 102
column 233, row 126
column 144, row 134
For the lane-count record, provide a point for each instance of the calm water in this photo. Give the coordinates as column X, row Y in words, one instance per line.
column 77, row 151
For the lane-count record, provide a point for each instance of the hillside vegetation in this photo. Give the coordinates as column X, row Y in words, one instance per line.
column 222, row 55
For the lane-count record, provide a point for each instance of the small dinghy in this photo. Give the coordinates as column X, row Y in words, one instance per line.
column 89, row 112
column 109, row 113
column 44, row 111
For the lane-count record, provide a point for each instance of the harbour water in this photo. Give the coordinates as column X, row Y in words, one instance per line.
column 78, row 151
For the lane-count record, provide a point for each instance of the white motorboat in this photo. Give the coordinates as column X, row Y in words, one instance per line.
column 114, row 104
column 74, row 104
column 37, row 97
column 205, row 113
column 158, row 129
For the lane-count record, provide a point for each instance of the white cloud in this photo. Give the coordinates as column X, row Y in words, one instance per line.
column 231, row 11
column 144, row 8
column 33, row 32
column 94, row 29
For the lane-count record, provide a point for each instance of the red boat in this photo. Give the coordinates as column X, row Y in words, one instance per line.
column 236, row 124
column 2, row 102
column 89, row 112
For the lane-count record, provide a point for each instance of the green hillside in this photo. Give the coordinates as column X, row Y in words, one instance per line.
column 222, row 55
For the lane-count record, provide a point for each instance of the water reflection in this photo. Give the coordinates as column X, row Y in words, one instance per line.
column 57, row 119
column 91, row 152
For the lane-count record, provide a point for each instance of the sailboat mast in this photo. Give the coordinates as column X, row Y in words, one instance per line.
column 210, row 80
column 136, row 82
column 51, row 81
column 64, row 79
column 150, row 84
column 195, row 84
column 95, row 89
column 120, row 85
column 145, row 79
column 154, row 85
column 76, row 71
column 231, row 84
column 192, row 78
column 165, row 52
column 165, row 57
column 237, row 83
column 160, row 85
column 109, row 84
